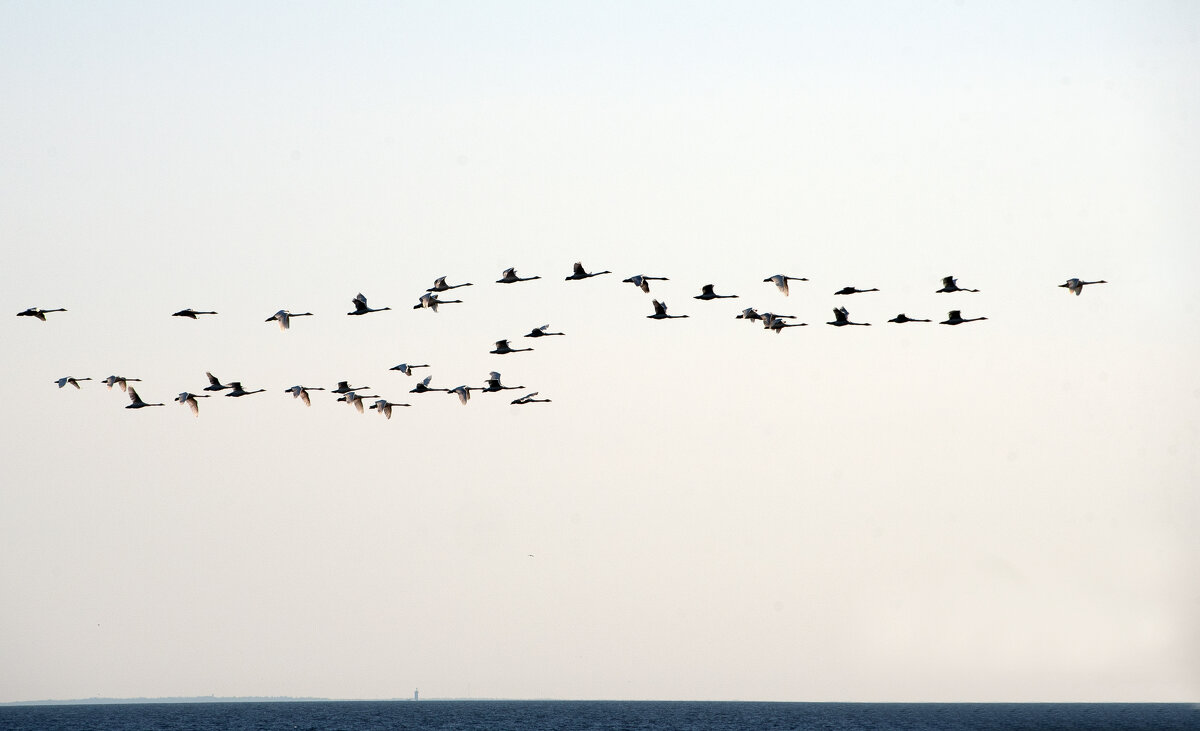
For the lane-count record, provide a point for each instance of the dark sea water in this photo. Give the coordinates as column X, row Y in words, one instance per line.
column 623, row 715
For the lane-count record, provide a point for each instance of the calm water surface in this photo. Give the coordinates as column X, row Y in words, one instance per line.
column 569, row 715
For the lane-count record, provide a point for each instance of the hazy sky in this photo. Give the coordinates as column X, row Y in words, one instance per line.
column 1005, row 510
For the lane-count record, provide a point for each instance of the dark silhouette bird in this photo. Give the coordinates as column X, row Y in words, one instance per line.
column 492, row 384
column 1073, row 285
column 842, row 317
column 301, row 392
column 781, row 281
column 502, row 348
column 950, row 284
column 345, row 387
column 579, row 273
column 236, row 390
column 190, row 313
column 136, row 401
column 903, row 318
column 642, row 282
column 954, row 317
column 852, row 290
column 660, row 312
column 430, row 301
column 38, row 313
column 189, row 399
column 284, row 318
column 529, row 399
column 439, row 285
column 71, row 380
column 407, row 368
column 540, row 332
column 424, row 387
column 360, row 306
column 509, row 276
column 214, row 384
column 707, row 293
column 385, row 407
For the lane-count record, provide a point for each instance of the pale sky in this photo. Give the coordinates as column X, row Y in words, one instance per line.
column 1002, row 511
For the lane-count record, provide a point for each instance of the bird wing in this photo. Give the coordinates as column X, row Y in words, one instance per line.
column 947, row 282
column 659, row 308
column 509, row 273
column 193, row 405
column 426, row 381
column 439, row 283
column 579, row 269
column 211, row 379
column 304, row 397
column 501, row 344
column 133, row 395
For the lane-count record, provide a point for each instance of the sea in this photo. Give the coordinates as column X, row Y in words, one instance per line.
column 595, row 715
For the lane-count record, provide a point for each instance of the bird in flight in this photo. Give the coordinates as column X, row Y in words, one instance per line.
column 954, row 317
column 71, row 380
column 509, row 276
column 360, row 306
column 707, row 293
column 642, row 282
column 356, row 399
column 38, row 313
column 781, row 281
column 579, row 273
column 237, row 390
column 529, row 399
column 285, row 318
column 118, row 381
column 345, row 387
column 385, row 407
column 841, row 317
column 950, row 284
column 540, row 332
column 430, row 301
column 492, row 384
column 903, row 318
column 1073, row 285
column 214, row 384
column 503, row 348
column 439, row 285
column 660, row 312
column 852, row 290
column 189, row 399
column 407, row 368
column 190, row 313
column 136, row 401
column 301, row 392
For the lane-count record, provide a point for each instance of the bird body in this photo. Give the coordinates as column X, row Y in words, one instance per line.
column 38, row 313
column 781, row 281
column 406, row 368
column 707, row 293
column 423, row 386
column 71, row 380
column 503, row 348
column 360, row 306
column 385, row 407
column 190, row 313
column 439, row 285
column 642, row 282
column 214, row 384
column 509, row 276
column 903, row 318
column 1075, row 285
column 950, row 284
column 301, row 392
column 118, row 381
column 954, row 317
column 237, row 390
column 852, row 290
column 579, row 272
column 190, row 400
column 660, row 312
column 529, row 399
column 284, row 318
column 430, row 301
column 540, row 332
column 842, row 317
column 136, row 401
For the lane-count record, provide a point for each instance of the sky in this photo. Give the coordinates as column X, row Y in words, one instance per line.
column 1000, row 511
